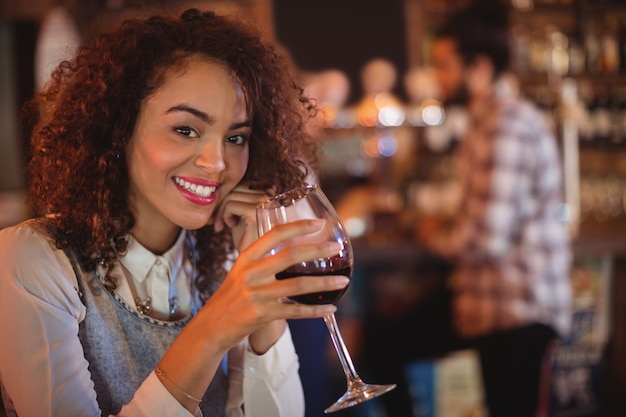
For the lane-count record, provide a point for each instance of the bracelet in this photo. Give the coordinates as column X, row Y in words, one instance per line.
column 161, row 374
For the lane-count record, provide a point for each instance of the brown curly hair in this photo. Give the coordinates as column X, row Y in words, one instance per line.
column 78, row 125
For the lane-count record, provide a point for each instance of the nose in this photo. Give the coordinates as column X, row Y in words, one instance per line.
column 210, row 156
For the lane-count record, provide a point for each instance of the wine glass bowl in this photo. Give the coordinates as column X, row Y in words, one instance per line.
column 335, row 266
column 310, row 202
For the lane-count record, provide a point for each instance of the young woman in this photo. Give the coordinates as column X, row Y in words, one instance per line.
column 141, row 287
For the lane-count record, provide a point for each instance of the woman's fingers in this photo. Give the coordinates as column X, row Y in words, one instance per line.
column 290, row 233
column 241, row 202
column 238, row 213
column 254, row 297
column 300, row 285
column 288, row 311
column 270, row 299
column 295, row 254
column 269, row 289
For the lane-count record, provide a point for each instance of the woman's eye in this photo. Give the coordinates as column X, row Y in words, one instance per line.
column 237, row 140
column 187, row 131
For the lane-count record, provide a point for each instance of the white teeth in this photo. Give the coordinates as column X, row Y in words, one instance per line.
column 201, row 190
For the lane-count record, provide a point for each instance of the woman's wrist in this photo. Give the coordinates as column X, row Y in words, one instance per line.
column 191, row 403
column 263, row 339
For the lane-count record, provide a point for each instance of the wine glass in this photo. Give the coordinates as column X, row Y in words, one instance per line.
column 310, row 202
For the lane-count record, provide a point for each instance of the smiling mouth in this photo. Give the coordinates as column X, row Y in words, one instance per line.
column 197, row 189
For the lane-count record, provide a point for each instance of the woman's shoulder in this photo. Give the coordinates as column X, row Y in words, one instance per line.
column 28, row 252
column 33, row 268
column 25, row 237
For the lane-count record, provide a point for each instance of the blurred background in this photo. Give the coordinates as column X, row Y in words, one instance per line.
column 388, row 145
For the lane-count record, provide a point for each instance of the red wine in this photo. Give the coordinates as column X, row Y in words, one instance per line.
column 324, row 297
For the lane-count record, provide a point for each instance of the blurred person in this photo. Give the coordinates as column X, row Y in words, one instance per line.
column 509, row 292
column 330, row 89
column 378, row 78
column 141, row 288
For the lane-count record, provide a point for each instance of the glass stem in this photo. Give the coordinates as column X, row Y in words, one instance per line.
column 342, row 351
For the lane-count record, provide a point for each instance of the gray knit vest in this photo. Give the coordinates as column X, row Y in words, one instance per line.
column 123, row 347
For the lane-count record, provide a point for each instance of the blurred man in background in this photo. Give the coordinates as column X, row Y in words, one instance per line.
column 510, row 291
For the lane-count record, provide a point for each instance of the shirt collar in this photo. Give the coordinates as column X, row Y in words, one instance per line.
column 139, row 260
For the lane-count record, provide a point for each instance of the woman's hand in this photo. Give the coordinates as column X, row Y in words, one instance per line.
column 238, row 212
column 249, row 303
column 250, row 299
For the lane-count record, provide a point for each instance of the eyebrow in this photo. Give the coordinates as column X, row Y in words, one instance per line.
column 197, row 113
column 245, row 123
column 203, row 116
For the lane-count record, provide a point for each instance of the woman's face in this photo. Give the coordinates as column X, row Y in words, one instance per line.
column 189, row 149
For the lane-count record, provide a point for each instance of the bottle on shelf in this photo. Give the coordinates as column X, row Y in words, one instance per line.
column 609, row 56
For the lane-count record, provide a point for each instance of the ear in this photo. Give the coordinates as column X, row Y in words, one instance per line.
column 480, row 75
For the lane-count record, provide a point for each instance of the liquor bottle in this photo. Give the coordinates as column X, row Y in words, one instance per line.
column 609, row 62
column 576, row 54
column 593, row 47
column 601, row 117
column 618, row 117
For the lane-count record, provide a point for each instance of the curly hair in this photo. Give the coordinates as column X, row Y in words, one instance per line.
column 77, row 125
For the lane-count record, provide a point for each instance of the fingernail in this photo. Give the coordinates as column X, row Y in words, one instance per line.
column 317, row 222
column 334, row 247
column 330, row 309
column 343, row 281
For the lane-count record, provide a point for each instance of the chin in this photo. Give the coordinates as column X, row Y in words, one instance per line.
column 193, row 223
column 194, row 227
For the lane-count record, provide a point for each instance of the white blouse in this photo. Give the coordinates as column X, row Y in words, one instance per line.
column 42, row 366
column 159, row 285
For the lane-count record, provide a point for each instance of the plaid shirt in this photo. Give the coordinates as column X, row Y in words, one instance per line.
column 511, row 250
